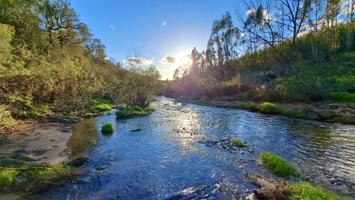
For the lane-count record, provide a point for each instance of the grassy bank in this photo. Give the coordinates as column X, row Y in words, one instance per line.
column 34, row 178
column 133, row 111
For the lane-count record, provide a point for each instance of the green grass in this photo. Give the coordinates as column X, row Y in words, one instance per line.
column 342, row 96
column 305, row 191
column 249, row 106
column 35, row 175
column 277, row 165
column 270, row 108
column 7, row 177
column 238, row 143
column 47, row 173
column 133, row 111
column 107, row 128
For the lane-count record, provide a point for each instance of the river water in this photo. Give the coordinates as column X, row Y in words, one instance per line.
column 180, row 152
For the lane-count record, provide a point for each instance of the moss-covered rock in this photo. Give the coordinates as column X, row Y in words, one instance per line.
column 107, row 128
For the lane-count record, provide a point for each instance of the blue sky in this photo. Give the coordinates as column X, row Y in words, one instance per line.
column 152, row 29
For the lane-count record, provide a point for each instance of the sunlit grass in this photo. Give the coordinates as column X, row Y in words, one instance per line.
column 133, row 111
column 277, row 165
column 238, row 143
column 305, row 191
column 7, row 177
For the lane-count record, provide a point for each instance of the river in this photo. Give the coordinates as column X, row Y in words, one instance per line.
column 179, row 152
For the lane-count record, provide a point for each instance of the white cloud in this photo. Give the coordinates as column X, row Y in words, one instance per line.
column 164, row 23
column 112, row 27
column 166, row 60
column 137, row 61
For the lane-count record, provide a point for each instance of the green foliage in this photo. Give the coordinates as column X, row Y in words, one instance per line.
column 37, row 175
column 305, row 191
column 48, row 57
column 23, row 107
column 315, row 80
column 270, row 108
column 49, row 172
column 238, row 143
column 133, row 111
column 249, row 106
column 277, row 165
column 107, row 128
column 101, row 106
column 7, row 123
column 6, row 34
column 7, row 177
column 342, row 96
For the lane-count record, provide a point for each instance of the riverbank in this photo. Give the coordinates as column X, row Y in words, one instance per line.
column 321, row 111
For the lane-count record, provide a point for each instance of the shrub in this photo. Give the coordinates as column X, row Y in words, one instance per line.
column 277, row 165
column 7, row 123
column 238, row 143
column 133, row 111
column 342, row 96
column 305, row 191
column 107, row 128
column 270, row 108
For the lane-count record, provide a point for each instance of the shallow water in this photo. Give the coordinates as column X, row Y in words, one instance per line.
column 179, row 154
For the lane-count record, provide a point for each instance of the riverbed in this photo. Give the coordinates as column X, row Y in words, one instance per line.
column 179, row 152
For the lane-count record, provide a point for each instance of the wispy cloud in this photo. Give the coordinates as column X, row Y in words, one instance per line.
column 137, row 61
column 168, row 60
column 164, row 23
column 112, row 27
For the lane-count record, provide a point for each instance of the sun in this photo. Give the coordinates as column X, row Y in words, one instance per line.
column 183, row 58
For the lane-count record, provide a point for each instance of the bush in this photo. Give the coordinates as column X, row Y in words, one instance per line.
column 342, row 96
column 305, row 191
column 7, row 123
column 238, row 143
column 133, row 111
column 277, row 165
column 107, row 128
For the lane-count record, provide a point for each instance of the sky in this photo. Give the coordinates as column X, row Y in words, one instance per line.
column 157, row 32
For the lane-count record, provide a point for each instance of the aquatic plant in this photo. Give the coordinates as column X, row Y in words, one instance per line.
column 238, row 143
column 277, row 165
column 107, row 128
column 133, row 111
column 305, row 191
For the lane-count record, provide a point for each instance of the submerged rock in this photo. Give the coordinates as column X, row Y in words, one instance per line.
column 205, row 192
